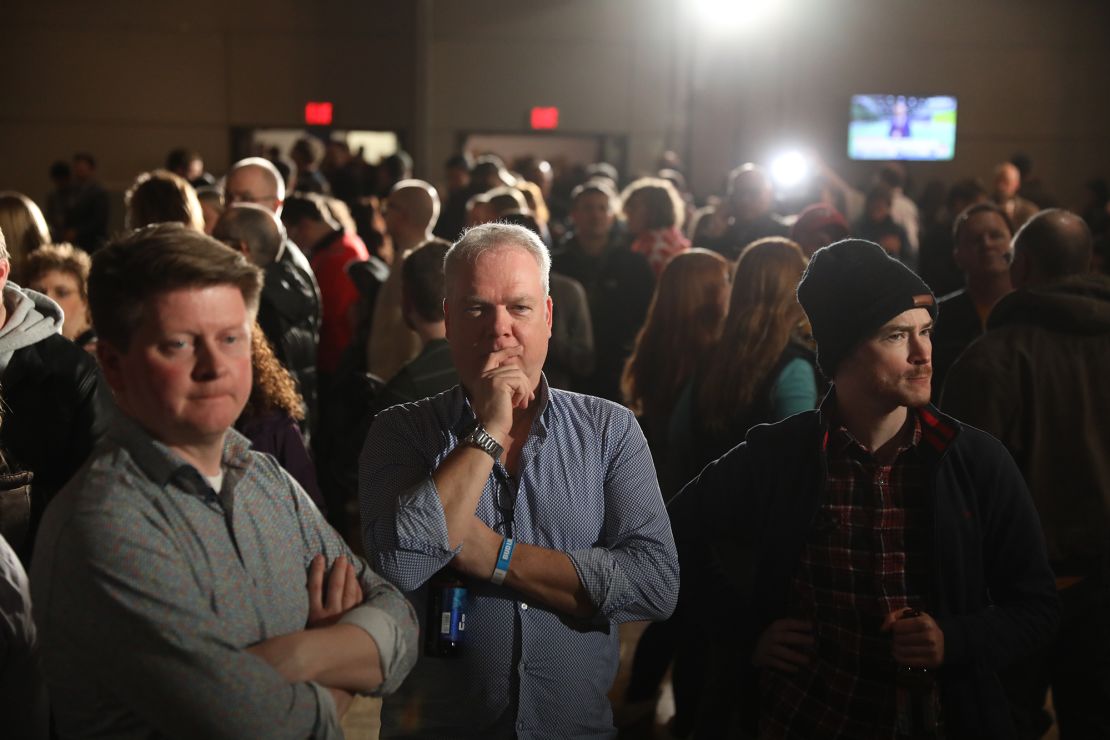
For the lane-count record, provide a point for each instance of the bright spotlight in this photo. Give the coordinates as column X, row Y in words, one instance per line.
column 725, row 15
column 789, row 169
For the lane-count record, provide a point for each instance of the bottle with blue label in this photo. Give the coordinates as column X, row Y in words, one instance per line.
column 445, row 616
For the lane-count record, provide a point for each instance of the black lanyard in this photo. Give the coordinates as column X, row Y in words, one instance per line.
column 504, row 498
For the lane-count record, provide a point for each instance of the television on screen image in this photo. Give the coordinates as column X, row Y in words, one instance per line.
column 902, row 127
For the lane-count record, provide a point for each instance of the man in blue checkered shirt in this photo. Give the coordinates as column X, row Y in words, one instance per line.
column 544, row 502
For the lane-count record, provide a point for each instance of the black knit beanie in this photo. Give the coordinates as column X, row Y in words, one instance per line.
column 850, row 289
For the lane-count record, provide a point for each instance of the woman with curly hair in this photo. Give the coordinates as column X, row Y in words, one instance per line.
column 682, row 325
column 654, row 212
column 269, row 420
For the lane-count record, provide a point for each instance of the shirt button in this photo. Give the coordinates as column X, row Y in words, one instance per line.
column 523, row 606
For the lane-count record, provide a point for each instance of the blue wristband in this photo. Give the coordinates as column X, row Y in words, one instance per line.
column 504, row 555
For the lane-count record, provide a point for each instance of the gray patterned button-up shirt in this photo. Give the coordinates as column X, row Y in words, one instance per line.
column 148, row 585
column 586, row 487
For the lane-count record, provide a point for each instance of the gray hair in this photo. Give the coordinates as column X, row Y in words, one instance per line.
column 494, row 237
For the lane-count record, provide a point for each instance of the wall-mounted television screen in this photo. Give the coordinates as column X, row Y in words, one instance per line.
column 902, row 127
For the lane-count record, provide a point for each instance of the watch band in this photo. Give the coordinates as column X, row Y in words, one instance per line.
column 504, row 556
column 477, row 436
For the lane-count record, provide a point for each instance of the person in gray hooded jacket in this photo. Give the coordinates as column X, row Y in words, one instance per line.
column 51, row 390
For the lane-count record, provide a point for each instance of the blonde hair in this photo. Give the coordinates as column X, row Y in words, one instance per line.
column 60, row 258
column 24, row 230
column 534, row 196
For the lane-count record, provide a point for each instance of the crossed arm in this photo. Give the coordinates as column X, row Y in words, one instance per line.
column 419, row 516
column 125, row 611
column 541, row 574
column 341, row 657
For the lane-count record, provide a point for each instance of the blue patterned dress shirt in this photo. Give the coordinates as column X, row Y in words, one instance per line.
column 586, row 486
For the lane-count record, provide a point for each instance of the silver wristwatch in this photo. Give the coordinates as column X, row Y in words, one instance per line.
column 477, row 436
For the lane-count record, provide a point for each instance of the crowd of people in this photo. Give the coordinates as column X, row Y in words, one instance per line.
column 317, row 429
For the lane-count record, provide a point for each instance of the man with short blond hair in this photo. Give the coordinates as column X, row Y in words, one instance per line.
column 179, row 582
column 544, row 502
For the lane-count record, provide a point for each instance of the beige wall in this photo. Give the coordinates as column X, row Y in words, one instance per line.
column 130, row 79
column 1028, row 75
column 606, row 65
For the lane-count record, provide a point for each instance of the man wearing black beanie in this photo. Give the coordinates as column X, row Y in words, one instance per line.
column 879, row 561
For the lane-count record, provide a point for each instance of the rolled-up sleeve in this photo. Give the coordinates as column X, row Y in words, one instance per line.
column 385, row 614
column 404, row 529
column 116, row 604
column 633, row 574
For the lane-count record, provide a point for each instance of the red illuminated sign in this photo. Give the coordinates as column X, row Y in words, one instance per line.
column 545, row 118
column 317, row 114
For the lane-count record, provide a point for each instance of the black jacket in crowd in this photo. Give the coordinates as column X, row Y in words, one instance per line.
column 742, row 524
column 55, row 411
column 958, row 325
column 289, row 314
column 1039, row 380
column 619, row 285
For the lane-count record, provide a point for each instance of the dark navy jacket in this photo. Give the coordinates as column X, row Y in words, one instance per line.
column 741, row 525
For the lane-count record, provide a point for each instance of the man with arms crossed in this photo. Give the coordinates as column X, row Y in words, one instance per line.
column 178, row 580
column 862, row 542
column 544, row 502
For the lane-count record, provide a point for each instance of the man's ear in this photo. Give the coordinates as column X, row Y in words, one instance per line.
column 549, row 310
column 5, row 272
column 446, row 320
column 110, row 360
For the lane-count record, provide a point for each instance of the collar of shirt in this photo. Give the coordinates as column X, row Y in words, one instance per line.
column 841, row 441
column 928, row 425
column 838, row 440
column 161, row 464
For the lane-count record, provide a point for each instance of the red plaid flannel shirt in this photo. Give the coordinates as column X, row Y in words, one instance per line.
column 867, row 555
